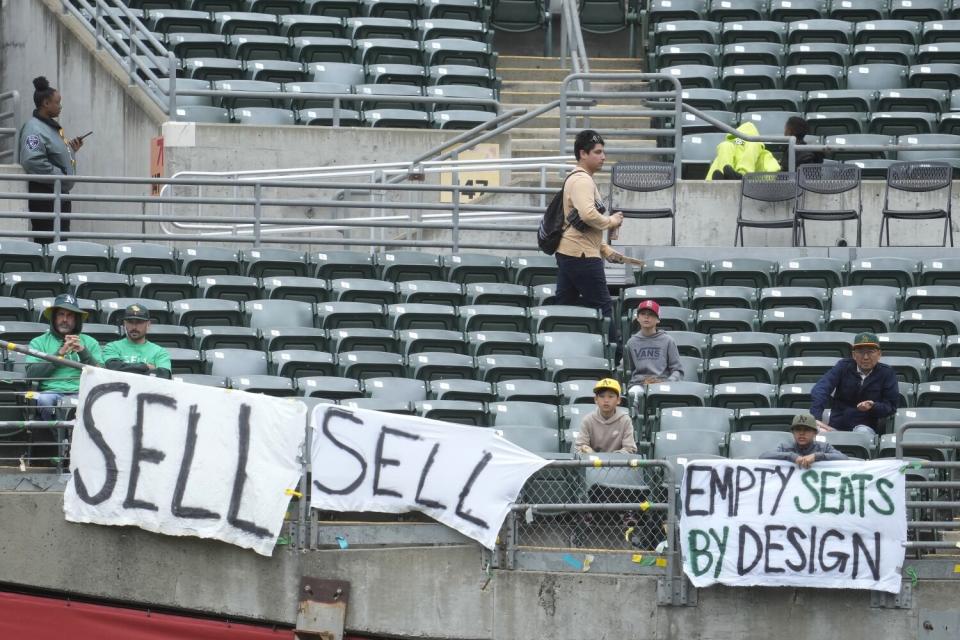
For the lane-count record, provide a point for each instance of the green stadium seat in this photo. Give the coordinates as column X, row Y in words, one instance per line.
column 525, row 414
column 834, row 344
column 682, row 272
column 919, row 10
column 561, row 344
column 343, row 264
column 842, row 100
column 370, row 364
column 941, row 322
column 207, row 338
column 853, row 443
column 469, row 390
column 500, row 367
column 474, row 10
column 201, row 312
column 363, row 339
column 514, row 295
column 857, row 320
column 431, row 340
column 726, row 320
column 806, row 369
column 492, row 317
column 796, row 395
column 384, row 405
column 301, row 363
column 733, row 369
column 677, row 319
column 820, row 30
column 73, row 256
column 438, row 365
column 723, row 296
column 235, row 362
column 296, row 288
column 279, row 338
column 837, row 123
column 179, row 21
column 333, row 8
column 577, row 367
column 932, row 297
column 817, row 53
column 939, row 394
column 769, row 100
column 187, row 361
column 165, row 287
column 687, row 443
column 813, row 77
column 766, row 418
column 532, row 439
column 266, row 314
column 793, row 10
column 756, row 443
column 528, row 391
column 455, row 411
column 914, row 345
column 209, row 261
column 238, row 288
column 430, row 292
column 98, row 286
column 396, row 389
column 141, row 258
column 363, row 290
column 887, row 52
column 330, row 387
column 826, row 273
column 518, row 343
column 397, row 266
column 14, row 310
column 421, row 316
column 349, row 315
column 709, row 99
column 671, row 55
column 698, row 151
column 666, row 395
column 751, row 343
column 565, row 318
column 338, row 72
column 749, row 31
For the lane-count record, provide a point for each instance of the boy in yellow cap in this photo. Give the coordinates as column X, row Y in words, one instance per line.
column 606, row 430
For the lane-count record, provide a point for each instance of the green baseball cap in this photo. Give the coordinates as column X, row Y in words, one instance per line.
column 804, row 421
column 866, row 339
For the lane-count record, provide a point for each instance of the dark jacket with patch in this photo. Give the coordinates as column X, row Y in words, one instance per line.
column 44, row 151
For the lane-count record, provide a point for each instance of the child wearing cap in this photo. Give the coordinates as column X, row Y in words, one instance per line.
column 653, row 355
column 606, row 430
column 805, row 449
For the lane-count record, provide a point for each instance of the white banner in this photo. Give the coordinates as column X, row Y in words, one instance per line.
column 183, row 460
column 464, row 477
column 838, row 525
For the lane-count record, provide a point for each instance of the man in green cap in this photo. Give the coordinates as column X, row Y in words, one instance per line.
column 65, row 339
column 136, row 354
column 864, row 389
column 805, row 449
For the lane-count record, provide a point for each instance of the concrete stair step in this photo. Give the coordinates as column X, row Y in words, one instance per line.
column 540, row 62
column 542, row 86
column 522, row 73
column 518, row 98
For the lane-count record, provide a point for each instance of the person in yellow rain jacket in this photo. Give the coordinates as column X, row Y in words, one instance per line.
column 736, row 157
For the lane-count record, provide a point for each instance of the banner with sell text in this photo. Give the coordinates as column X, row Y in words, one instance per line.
column 837, row 525
column 464, row 477
column 182, row 459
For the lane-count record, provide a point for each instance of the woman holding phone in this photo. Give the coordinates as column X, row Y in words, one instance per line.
column 45, row 150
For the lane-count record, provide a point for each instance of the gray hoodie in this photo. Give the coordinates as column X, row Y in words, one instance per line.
column 44, row 151
column 654, row 355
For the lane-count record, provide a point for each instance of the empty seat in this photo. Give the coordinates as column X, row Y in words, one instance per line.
column 488, row 317
column 528, row 391
column 714, row 297
column 432, row 340
column 165, row 287
column 751, row 343
column 888, row 52
column 233, row 100
column 235, row 362
column 226, row 338
column 877, row 76
column 820, row 30
column 820, row 343
column 468, row 268
column 809, row 297
column 471, row 390
column 397, row 266
column 405, row 389
column 496, row 368
column 501, row 342
column 525, row 414
column 932, row 297
column 756, row 443
column 917, row 177
column 726, row 369
column 813, row 77
column 141, row 257
column 363, row 339
column 766, row 418
column 455, row 411
column 694, row 75
column 935, row 75
column 331, row 387
column 665, row 395
column 770, row 100
column 336, row 315
column 338, row 72
column 421, row 316
column 370, row 364
column 203, row 312
column 333, row 8
column 212, row 69
column 934, row 321
column 806, row 369
column 202, row 113
column 818, row 53
column 688, row 53
column 305, row 338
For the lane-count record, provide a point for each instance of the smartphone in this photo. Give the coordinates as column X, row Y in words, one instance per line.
column 85, row 135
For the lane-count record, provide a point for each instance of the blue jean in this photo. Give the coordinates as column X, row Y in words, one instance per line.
column 582, row 282
column 47, row 403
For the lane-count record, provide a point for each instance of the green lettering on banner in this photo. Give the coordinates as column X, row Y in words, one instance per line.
column 882, row 485
column 696, row 552
column 847, row 496
column 826, row 490
column 722, row 545
column 862, row 480
column 809, row 479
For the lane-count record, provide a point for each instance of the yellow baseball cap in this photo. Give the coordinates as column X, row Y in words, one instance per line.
column 607, row 383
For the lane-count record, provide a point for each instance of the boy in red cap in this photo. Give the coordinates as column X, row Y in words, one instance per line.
column 651, row 354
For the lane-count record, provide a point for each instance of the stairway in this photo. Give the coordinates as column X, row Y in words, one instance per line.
column 530, row 81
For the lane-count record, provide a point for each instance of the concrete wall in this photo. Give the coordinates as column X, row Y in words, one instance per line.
column 424, row 592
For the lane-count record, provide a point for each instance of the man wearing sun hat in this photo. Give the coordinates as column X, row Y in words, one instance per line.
column 864, row 389
column 134, row 353
column 65, row 339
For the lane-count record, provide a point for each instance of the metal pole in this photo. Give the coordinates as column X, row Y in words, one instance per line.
column 28, row 351
column 257, row 211
column 56, row 210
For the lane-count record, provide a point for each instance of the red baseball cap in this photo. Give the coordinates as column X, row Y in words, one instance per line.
column 649, row 305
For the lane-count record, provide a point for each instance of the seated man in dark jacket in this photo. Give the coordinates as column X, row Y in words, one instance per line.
column 864, row 389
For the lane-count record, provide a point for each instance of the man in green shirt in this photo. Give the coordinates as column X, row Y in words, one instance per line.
column 136, row 354
column 64, row 339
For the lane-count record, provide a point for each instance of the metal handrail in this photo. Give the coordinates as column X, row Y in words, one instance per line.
column 109, row 33
column 571, row 41
column 568, row 96
column 12, row 114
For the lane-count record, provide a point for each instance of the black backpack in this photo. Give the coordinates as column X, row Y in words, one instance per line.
column 552, row 224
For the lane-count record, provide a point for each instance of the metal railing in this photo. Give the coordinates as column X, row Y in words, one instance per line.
column 571, row 41
column 255, row 227
column 575, row 118
column 9, row 112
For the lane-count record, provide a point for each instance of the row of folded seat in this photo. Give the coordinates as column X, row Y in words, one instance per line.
column 143, row 258
column 944, row 76
column 366, row 95
column 789, row 10
column 803, row 54
column 402, row 118
column 810, row 31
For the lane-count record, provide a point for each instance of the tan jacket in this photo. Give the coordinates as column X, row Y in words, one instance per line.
column 581, row 193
